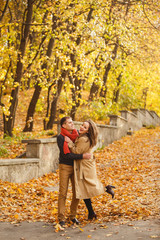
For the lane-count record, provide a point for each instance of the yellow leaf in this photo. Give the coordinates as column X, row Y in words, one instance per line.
column 81, row 229
column 58, row 228
column 54, row 211
column 16, row 216
column 19, row 190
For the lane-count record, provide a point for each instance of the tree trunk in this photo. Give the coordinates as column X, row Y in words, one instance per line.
column 103, row 91
column 9, row 123
column 52, row 117
column 31, row 110
column 48, row 106
column 76, row 93
column 104, row 87
column 78, row 84
column 117, row 89
column 93, row 91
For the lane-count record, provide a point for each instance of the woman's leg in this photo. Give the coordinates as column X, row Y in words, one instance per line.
column 91, row 213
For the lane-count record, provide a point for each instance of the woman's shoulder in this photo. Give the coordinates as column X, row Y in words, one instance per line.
column 84, row 137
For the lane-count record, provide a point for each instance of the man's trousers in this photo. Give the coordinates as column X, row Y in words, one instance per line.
column 66, row 172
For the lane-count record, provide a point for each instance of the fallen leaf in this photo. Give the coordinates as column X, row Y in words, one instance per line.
column 58, row 228
column 109, row 234
column 116, row 163
column 130, row 224
column 81, row 229
column 103, row 226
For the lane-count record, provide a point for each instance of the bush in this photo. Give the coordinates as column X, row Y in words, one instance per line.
column 150, row 127
column 96, row 110
column 50, row 133
column 3, row 151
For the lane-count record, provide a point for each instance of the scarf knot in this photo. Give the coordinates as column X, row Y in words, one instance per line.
column 72, row 136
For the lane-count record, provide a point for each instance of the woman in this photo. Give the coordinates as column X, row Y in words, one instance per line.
column 87, row 184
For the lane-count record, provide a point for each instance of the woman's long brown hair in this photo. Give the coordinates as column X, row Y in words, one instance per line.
column 92, row 133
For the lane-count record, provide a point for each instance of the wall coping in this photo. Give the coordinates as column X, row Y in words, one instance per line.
column 137, row 109
column 117, row 116
column 106, row 126
column 130, row 113
column 154, row 113
column 99, row 125
column 42, row 140
column 142, row 109
column 18, row 161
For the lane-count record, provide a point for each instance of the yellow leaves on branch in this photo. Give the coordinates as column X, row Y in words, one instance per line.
column 130, row 164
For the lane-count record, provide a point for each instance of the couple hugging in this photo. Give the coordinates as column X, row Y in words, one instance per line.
column 76, row 164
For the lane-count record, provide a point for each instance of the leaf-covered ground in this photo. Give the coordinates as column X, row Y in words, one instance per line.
column 131, row 164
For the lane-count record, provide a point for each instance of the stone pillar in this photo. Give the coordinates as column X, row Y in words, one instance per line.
column 133, row 122
column 46, row 150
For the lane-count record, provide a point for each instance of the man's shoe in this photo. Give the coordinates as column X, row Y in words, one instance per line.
column 62, row 223
column 75, row 220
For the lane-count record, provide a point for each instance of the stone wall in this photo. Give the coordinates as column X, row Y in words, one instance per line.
column 19, row 170
column 42, row 154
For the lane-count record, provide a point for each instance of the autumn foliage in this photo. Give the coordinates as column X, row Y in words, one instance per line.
column 130, row 164
column 61, row 50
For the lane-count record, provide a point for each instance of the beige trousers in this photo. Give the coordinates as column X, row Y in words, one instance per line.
column 66, row 172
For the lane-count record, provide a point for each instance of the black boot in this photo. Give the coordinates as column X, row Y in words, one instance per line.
column 92, row 216
column 110, row 190
column 91, row 213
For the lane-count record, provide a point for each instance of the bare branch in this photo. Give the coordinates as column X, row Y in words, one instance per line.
column 3, row 12
column 143, row 3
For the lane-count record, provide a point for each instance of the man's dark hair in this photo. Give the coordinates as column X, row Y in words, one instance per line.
column 63, row 120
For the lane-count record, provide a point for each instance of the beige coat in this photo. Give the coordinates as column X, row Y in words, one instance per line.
column 87, row 184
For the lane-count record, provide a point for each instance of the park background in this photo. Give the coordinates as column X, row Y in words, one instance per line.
column 85, row 59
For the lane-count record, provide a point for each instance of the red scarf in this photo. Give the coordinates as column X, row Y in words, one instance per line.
column 72, row 136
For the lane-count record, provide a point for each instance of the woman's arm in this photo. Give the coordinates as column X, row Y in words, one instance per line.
column 82, row 145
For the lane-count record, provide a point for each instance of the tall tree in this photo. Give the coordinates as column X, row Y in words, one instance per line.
column 38, row 87
column 53, row 106
column 9, row 121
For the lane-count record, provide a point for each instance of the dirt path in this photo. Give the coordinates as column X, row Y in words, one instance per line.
column 147, row 230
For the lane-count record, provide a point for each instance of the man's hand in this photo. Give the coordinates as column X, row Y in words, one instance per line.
column 67, row 139
column 87, row 155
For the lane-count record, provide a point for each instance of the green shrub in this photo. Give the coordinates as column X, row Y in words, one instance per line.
column 150, row 127
column 50, row 133
column 3, row 151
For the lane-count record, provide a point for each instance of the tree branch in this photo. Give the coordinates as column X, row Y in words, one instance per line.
column 143, row 3
column 4, row 10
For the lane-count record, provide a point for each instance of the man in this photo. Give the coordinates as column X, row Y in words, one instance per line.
column 66, row 170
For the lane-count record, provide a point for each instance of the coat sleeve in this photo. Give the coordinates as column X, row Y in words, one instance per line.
column 82, row 145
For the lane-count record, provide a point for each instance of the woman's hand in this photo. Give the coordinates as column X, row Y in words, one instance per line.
column 67, row 139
